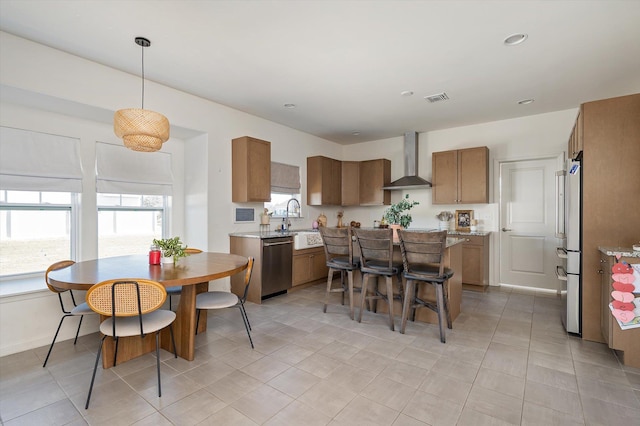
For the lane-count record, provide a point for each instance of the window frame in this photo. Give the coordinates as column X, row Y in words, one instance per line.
column 74, row 229
column 165, row 209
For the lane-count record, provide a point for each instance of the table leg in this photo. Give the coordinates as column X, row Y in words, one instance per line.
column 184, row 327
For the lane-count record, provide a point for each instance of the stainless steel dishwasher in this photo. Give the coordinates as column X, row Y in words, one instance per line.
column 277, row 259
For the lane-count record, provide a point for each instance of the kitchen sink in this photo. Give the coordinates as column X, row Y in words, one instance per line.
column 306, row 239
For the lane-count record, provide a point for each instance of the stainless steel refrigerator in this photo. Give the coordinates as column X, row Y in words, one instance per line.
column 571, row 250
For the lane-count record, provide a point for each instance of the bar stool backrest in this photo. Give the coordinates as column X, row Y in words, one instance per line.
column 420, row 248
column 376, row 247
column 337, row 243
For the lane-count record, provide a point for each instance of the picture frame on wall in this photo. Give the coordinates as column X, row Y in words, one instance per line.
column 463, row 220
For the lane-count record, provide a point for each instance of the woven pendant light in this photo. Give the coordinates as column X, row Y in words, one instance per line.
column 139, row 128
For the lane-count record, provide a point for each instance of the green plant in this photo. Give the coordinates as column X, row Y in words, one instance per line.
column 394, row 214
column 171, row 247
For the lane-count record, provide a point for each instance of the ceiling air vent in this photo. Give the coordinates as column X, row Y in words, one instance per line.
column 437, row 97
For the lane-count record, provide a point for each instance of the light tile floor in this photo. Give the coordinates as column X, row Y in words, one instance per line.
column 506, row 361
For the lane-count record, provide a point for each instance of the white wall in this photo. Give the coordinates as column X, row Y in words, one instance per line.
column 203, row 211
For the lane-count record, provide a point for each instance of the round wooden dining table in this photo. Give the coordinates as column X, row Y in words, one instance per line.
column 193, row 273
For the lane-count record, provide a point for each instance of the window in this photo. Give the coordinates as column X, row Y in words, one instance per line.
column 36, row 230
column 278, row 205
column 285, row 185
column 128, row 223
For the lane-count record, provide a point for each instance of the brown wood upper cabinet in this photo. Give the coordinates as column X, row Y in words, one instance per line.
column 374, row 175
column 575, row 140
column 461, row 176
column 324, row 181
column 347, row 183
column 250, row 170
column 350, row 183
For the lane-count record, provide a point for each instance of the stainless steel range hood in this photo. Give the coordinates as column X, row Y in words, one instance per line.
column 410, row 180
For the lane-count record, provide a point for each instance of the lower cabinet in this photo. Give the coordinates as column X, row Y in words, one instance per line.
column 309, row 265
column 625, row 341
column 475, row 262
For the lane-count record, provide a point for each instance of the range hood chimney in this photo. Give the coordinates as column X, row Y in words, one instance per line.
column 410, row 180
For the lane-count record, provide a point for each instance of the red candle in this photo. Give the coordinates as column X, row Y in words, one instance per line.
column 154, row 256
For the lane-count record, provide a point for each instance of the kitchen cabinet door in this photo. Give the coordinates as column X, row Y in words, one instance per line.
column 461, row 176
column 473, row 175
column 324, row 181
column 350, row 183
column 475, row 262
column 250, row 170
column 309, row 265
column 374, row 175
column 444, row 183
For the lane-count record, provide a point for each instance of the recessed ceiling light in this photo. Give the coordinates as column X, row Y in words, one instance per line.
column 525, row 102
column 290, row 106
column 355, row 133
column 406, row 93
column 514, row 39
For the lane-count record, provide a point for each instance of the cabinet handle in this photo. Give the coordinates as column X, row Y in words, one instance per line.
column 468, row 239
column 506, row 229
column 600, row 271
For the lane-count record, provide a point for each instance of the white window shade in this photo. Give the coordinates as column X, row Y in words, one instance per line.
column 122, row 171
column 33, row 161
column 285, row 178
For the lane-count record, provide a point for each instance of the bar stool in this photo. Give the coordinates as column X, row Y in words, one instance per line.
column 376, row 258
column 338, row 249
column 423, row 261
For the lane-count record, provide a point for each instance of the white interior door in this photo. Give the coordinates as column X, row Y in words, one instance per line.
column 528, row 223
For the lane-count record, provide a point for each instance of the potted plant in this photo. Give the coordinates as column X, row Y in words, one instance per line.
column 171, row 248
column 396, row 217
column 395, row 213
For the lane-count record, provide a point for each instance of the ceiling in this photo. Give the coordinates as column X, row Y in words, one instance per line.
column 345, row 63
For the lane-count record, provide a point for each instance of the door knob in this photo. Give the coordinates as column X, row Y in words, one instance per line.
column 506, row 229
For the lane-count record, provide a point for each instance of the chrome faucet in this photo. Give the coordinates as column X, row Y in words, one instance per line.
column 289, row 202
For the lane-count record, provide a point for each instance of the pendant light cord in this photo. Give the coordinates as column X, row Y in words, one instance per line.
column 142, row 47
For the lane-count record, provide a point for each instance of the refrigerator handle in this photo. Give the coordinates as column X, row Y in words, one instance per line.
column 561, row 274
column 560, row 225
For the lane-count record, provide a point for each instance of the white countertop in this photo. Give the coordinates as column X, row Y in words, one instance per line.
column 622, row 251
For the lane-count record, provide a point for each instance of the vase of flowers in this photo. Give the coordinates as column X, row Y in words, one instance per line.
column 397, row 217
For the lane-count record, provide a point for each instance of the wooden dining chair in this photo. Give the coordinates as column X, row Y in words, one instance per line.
column 338, row 250
column 133, row 308
column 76, row 311
column 226, row 299
column 177, row 289
column 376, row 260
column 423, row 259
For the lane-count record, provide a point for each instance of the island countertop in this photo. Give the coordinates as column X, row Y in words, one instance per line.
column 622, row 251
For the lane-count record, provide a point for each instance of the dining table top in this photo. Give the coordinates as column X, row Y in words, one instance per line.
column 190, row 270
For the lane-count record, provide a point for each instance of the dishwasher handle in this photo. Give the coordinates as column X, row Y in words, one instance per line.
column 277, row 244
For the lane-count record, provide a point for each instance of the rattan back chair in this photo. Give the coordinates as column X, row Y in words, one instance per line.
column 423, row 259
column 133, row 308
column 77, row 310
column 338, row 250
column 177, row 289
column 226, row 299
column 376, row 260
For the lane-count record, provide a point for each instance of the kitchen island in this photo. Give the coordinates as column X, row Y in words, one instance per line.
column 452, row 260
